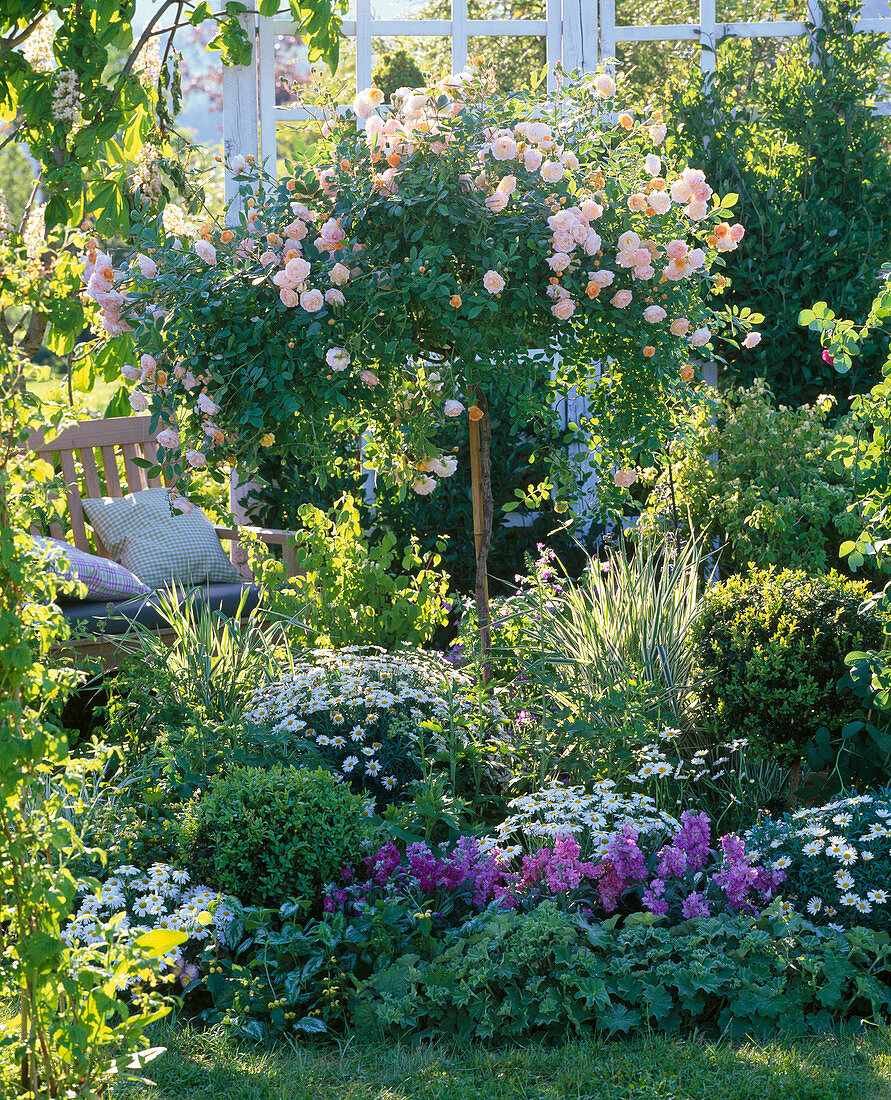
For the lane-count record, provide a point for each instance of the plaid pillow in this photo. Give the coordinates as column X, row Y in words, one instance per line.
column 162, row 543
column 105, row 580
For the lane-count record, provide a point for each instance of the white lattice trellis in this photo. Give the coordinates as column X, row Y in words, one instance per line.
column 576, row 32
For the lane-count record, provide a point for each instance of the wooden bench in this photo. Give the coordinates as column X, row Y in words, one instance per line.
column 97, row 458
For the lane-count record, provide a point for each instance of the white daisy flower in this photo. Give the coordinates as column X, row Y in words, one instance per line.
column 814, row 906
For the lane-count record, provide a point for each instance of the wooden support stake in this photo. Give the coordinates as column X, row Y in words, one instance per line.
column 476, row 486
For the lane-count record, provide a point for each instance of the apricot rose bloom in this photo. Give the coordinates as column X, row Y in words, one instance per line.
column 625, row 478
column 563, row 309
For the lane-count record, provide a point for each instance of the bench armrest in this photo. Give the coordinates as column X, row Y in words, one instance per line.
column 268, row 535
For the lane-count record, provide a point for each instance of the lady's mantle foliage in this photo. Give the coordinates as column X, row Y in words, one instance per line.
column 456, row 227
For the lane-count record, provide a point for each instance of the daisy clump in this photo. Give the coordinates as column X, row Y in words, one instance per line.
column 837, row 860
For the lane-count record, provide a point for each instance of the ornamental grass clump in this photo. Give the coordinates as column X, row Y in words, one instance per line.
column 836, row 858
column 375, row 718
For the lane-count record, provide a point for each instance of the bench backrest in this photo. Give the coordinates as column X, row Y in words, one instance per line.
column 91, row 457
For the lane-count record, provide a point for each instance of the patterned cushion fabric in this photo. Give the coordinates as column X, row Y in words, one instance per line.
column 105, row 580
column 162, row 538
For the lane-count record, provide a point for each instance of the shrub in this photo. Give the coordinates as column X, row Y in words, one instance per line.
column 508, row 976
column 793, row 133
column 836, row 859
column 374, row 717
column 350, row 590
column 269, row 835
column 397, row 70
column 758, row 479
column 770, row 645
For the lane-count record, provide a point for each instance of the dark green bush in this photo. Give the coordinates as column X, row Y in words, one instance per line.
column 270, row 835
column 792, row 132
column 510, row 976
column 769, row 646
column 397, row 70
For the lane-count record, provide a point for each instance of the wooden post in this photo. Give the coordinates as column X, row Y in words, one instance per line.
column 481, row 488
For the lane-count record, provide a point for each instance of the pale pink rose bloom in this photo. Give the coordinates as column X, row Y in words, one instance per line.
column 563, row 242
column 654, row 314
column 626, row 258
column 139, row 401
column 129, row 372
column 369, row 378
column 644, row 273
column 289, row 297
column 312, row 300
column 445, row 467
column 197, row 459
column 658, row 132
column 592, row 243
column 625, row 478
column 696, row 210
column 737, row 232
column 337, row 358
column 453, row 408
column 680, row 327
column 504, row 148
column 339, row 274
column 559, row 262
column 652, row 164
column 237, row 164
column 726, row 244
column 701, row 191
column 700, row 337
column 190, row 382
column 681, row 192
column 637, row 202
column 562, row 222
column 538, row 131
column 424, row 486
column 205, row 250
column 363, row 106
column 569, row 160
column 207, row 405
column 386, row 183
column 675, row 271
column 334, row 297
column 168, row 439
column 603, row 278
column 555, row 292
column 97, row 286
column 267, row 258
column 641, row 257
column 621, row 299
column 676, row 250
column 213, row 432
column 660, row 202
column 373, row 127
column 147, row 266
column 497, row 201
column 297, row 269
column 147, row 363
column 508, row 184
column 579, row 232
column 563, row 309
column 604, row 86
column 493, row 282
column 629, row 241
column 752, row 340
column 296, row 231
column 179, row 371
column 481, row 180
column 552, row 171
column 283, row 280
column 532, row 160
column 695, row 258
column 113, row 324
column 591, row 210
column 428, row 465
column 181, row 504
column 331, row 232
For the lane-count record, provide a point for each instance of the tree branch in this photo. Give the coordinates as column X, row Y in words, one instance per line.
column 7, row 44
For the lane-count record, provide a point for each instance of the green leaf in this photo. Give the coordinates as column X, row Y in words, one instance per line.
column 160, row 940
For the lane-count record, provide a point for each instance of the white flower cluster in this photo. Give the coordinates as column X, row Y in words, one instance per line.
column 38, row 46
column 35, row 235
column 67, row 97
column 653, row 761
column 148, row 64
column 837, row 858
column 345, row 701
column 5, row 220
column 160, row 897
column 595, row 815
column 146, row 177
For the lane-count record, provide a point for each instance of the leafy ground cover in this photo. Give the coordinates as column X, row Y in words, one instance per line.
column 833, row 1068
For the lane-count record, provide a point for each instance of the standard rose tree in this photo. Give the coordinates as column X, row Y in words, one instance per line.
column 408, row 271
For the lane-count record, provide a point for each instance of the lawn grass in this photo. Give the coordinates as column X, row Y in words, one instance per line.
column 211, row 1067
column 95, row 402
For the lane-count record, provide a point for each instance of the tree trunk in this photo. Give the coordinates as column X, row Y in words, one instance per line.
column 481, row 484
column 794, row 781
